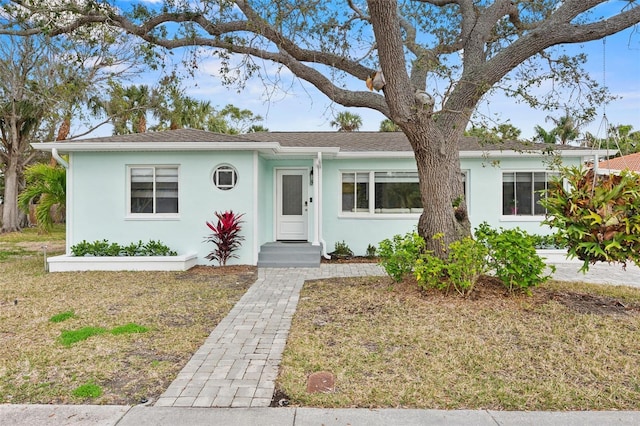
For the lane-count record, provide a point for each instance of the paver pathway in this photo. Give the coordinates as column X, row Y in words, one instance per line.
column 238, row 364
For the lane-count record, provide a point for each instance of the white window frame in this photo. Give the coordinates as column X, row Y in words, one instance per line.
column 227, row 167
column 521, row 217
column 150, row 216
column 371, row 212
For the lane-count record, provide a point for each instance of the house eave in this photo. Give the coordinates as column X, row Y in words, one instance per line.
column 150, row 146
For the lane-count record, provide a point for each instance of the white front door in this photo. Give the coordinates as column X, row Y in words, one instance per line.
column 291, row 204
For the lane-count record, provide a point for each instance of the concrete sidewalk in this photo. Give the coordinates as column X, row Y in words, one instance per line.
column 231, row 378
column 81, row 415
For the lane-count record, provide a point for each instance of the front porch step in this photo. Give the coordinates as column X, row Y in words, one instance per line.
column 289, row 255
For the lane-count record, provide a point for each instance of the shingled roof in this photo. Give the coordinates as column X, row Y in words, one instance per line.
column 345, row 141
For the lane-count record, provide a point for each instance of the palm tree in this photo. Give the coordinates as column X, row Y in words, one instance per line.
column 388, row 125
column 566, row 128
column 347, row 122
column 46, row 185
column 543, row 136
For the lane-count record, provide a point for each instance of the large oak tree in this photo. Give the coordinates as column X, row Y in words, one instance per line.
column 457, row 51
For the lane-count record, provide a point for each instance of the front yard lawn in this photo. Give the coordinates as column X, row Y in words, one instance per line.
column 132, row 331
column 568, row 346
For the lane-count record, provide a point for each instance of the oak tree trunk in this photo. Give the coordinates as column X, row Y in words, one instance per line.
column 444, row 218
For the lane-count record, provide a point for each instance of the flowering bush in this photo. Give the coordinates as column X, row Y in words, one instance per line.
column 226, row 236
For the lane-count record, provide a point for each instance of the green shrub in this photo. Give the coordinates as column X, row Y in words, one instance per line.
column 341, row 249
column 371, row 251
column 598, row 215
column 133, row 249
column 399, row 254
column 156, row 248
column 513, row 257
column 466, row 262
column 105, row 248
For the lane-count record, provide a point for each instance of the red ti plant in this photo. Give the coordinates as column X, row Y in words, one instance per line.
column 226, row 236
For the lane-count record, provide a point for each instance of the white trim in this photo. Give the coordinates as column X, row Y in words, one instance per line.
column 274, row 148
column 128, row 215
column 371, row 211
column 520, row 217
column 60, row 160
column 157, row 146
column 317, row 201
column 229, row 168
column 69, row 207
column 305, row 198
column 68, row 263
column 256, row 245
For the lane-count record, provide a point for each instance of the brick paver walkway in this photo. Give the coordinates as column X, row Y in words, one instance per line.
column 238, row 364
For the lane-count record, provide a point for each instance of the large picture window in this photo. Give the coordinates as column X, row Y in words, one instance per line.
column 522, row 191
column 382, row 192
column 153, row 190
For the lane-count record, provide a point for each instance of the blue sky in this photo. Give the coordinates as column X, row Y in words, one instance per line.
column 303, row 108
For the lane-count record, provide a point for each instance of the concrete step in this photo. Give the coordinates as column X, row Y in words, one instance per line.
column 289, row 255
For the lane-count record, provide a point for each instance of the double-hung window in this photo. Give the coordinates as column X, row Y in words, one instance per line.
column 522, row 192
column 153, row 190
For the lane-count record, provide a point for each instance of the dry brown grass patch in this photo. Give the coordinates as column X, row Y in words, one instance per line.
column 566, row 347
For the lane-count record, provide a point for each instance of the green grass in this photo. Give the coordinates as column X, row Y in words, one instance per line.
column 69, row 337
column 129, row 329
column 88, row 390
column 63, row 316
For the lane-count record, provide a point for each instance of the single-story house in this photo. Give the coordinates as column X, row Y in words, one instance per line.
column 315, row 187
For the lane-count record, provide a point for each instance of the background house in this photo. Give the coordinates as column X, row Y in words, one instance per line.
column 617, row 164
column 315, row 187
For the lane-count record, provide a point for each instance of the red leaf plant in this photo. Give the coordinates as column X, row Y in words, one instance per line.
column 226, row 236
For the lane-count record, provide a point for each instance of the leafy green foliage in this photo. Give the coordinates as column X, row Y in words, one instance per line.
column 341, row 250
column 105, row 248
column 552, row 241
column 466, row 262
column 513, row 257
column 398, row 255
column 63, row 316
column 226, row 236
column 46, row 185
column 88, row 390
column 371, row 251
column 597, row 215
column 69, row 337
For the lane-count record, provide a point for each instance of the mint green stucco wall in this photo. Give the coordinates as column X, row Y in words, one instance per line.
column 99, row 199
column 484, row 198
